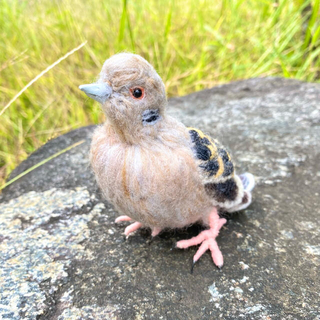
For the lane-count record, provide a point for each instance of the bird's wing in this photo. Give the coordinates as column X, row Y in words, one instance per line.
column 217, row 170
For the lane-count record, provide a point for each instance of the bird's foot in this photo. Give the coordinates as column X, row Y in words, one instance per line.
column 131, row 228
column 207, row 239
column 134, row 226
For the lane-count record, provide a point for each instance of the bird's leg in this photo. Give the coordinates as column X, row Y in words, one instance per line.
column 207, row 238
column 155, row 231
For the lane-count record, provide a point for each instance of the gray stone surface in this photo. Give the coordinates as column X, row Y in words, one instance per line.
column 63, row 257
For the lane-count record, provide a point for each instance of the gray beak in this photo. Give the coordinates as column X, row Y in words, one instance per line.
column 97, row 91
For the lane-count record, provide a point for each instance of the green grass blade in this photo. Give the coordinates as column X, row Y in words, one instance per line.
column 311, row 23
column 41, row 163
column 123, row 20
column 168, row 22
column 315, row 36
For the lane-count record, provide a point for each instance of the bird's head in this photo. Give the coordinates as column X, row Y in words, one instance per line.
column 131, row 93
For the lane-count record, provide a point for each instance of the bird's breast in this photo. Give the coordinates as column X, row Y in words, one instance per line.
column 156, row 185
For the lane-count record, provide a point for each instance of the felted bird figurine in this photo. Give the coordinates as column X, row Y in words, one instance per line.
column 154, row 170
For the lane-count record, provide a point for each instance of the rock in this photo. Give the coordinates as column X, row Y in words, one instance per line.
column 63, row 257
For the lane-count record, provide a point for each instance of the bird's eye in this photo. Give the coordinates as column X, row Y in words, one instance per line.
column 137, row 93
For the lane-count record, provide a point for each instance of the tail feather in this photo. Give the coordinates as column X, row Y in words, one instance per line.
column 248, row 183
column 246, row 201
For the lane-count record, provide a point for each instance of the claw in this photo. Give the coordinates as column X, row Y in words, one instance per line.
column 193, row 263
column 220, row 267
column 174, row 246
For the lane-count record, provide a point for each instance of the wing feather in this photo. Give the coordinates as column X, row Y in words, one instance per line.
column 217, row 169
column 213, row 158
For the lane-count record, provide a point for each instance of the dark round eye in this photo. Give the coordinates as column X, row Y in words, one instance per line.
column 137, row 92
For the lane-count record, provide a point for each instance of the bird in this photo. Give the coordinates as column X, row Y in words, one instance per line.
column 155, row 171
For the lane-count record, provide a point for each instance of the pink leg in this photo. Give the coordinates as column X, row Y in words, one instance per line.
column 122, row 218
column 207, row 238
column 155, row 232
column 133, row 227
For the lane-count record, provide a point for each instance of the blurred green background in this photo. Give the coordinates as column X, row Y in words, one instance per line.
column 192, row 44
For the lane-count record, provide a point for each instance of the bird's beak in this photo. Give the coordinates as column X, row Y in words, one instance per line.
column 97, row 91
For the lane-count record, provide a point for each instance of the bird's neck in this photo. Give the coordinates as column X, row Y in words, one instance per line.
column 133, row 133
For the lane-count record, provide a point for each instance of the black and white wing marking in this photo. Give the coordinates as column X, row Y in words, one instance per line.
column 217, row 168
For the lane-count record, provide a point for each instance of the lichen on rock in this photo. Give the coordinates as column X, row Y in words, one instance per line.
column 33, row 251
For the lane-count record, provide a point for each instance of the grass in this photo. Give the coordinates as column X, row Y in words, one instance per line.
column 192, row 44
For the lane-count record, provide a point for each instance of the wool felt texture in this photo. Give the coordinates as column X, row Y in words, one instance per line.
column 156, row 172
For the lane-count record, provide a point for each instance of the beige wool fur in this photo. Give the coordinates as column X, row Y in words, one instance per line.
column 154, row 170
column 148, row 172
